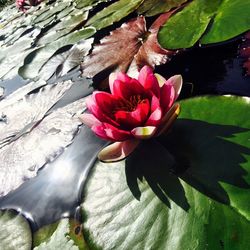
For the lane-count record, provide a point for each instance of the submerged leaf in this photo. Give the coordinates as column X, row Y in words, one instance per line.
column 155, row 7
column 129, row 47
column 113, row 13
column 22, row 158
column 15, row 232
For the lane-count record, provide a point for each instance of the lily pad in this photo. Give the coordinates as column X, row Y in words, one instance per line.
column 187, row 190
column 89, row 4
column 222, row 20
column 113, row 13
column 39, row 57
column 15, row 231
column 155, row 7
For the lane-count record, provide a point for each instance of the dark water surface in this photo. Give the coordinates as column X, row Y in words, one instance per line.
column 56, row 191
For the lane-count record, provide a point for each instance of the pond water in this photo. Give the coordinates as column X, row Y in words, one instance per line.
column 56, row 191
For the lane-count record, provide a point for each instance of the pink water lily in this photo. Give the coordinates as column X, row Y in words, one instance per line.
column 134, row 110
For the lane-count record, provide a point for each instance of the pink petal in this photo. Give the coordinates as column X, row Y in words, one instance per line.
column 169, row 118
column 116, row 134
column 127, row 89
column 155, row 118
column 148, row 80
column 99, row 130
column 167, row 97
column 89, row 120
column 105, row 101
column 144, row 132
column 118, row 150
column 176, row 82
column 97, row 112
column 155, row 103
column 134, row 118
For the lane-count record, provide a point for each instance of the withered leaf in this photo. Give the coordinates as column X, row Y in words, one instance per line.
column 128, row 48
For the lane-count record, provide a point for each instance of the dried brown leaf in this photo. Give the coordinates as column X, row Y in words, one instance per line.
column 128, row 48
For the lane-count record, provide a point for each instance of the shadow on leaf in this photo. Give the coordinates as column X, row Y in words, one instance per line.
column 152, row 162
column 202, row 154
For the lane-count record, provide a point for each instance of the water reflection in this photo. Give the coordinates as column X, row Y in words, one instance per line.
column 56, row 191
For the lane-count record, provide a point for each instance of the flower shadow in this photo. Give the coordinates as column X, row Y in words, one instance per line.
column 202, row 154
column 152, row 162
column 208, row 155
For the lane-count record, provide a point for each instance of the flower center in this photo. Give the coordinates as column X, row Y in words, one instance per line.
column 129, row 105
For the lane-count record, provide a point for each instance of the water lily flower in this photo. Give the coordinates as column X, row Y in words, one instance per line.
column 134, row 110
column 24, row 5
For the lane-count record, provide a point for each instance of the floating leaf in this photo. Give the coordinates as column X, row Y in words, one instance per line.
column 63, row 63
column 40, row 56
column 11, row 57
column 29, row 110
column 155, row 7
column 64, row 27
column 231, row 20
column 15, row 231
column 66, row 234
column 140, row 203
column 88, row 4
column 141, row 47
column 222, row 20
column 22, row 158
column 113, row 13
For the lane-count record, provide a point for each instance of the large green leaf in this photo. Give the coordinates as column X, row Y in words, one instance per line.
column 154, row 7
column 65, row 234
column 222, row 19
column 187, row 190
column 231, row 19
column 185, row 28
column 15, row 231
column 113, row 13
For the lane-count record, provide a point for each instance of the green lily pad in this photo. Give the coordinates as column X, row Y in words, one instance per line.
column 88, row 4
column 221, row 20
column 113, row 13
column 231, row 19
column 155, row 7
column 186, row 190
column 15, row 231
column 65, row 234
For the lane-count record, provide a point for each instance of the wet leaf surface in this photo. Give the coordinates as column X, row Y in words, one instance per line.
column 25, row 113
column 14, row 231
column 23, row 157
